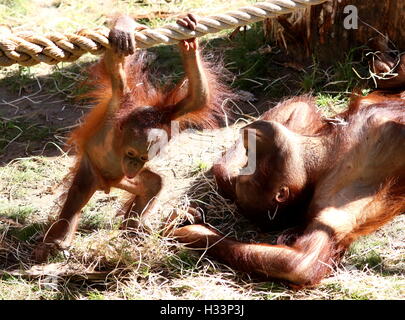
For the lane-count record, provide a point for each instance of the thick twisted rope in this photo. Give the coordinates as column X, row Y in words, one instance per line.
column 27, row 48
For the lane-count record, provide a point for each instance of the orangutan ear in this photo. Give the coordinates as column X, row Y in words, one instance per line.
column 282, row 194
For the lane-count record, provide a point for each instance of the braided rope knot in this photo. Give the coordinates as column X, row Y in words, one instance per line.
column 27, row 48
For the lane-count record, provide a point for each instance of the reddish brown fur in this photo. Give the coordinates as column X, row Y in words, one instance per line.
column 354, row 182
column 144, row 93
column 308, row 122
column 112, row 142
column 391, row 202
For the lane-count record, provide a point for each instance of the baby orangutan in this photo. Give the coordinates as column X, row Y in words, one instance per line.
column 113, row 141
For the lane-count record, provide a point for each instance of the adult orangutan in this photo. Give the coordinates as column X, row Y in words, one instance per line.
column 332, row 182
column 113, row 141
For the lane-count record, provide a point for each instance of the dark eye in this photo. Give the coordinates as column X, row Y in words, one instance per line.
column 130, row 154
column 144, row 157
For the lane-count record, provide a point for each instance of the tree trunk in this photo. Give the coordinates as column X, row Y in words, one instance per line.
column 324, row 30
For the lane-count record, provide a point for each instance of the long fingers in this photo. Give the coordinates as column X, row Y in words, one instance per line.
column 190, row 21
column 123, row 40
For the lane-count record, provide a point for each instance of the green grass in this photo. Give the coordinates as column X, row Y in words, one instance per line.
column 18, row 213
column 21, row 78
column 331, row 104
column 313, row 78
column 184, row 261
column 21, row 130
column 338, row 78
column 95, row 295
column 20, row 289
column 244, row 59
column 27, row 233
column 95, row 217
column 23, row 178
column 14, row 8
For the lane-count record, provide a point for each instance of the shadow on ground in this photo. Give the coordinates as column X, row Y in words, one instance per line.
column 38, row 112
